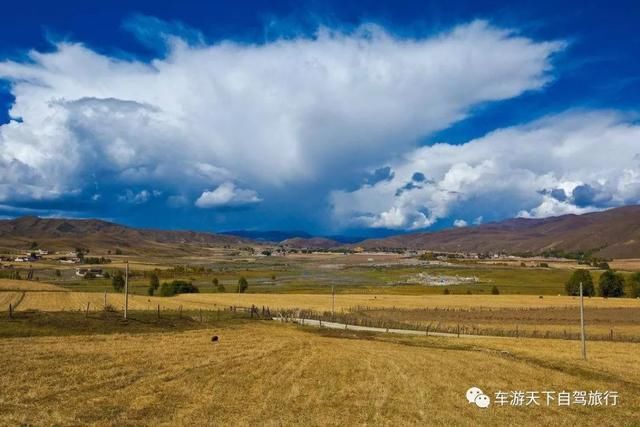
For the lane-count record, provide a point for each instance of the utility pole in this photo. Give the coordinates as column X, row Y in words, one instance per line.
column 333, row 302
column 582, row 336
column 126, row 289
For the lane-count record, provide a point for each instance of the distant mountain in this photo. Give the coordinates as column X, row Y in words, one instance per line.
column 271, row 236
column 98, row 234
column 279, row 237
column 614, row 233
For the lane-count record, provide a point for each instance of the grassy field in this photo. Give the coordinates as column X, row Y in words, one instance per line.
column 25, row 285
column 65, row 301
column 603, row 323
column 262, row 373
column 376, row 273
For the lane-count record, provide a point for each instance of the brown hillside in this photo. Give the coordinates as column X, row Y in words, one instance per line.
column 103, row 235
column 614, row 233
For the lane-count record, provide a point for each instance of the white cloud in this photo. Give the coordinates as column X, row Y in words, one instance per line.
column 301, row 110
column 136, row 198
column 575, row 162
column 227, row 194
column 459, row 223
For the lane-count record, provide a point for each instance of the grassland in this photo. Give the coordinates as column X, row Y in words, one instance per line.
column 603, row 323
column 271, row 374
column 27, row 285
column 65, row 301
column 65, row 366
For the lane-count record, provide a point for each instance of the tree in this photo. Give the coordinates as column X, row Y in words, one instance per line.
column 117, row 281
column 242, row 285
column 177, row 287
column 573, row 284
column 34, row 245
column 495, row 290
column 215, row 281
column 611, row 284
column 220, row 288
column 154, row 282
column 634, row 281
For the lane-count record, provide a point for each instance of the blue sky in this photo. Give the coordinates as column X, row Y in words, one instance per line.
column 358, row 118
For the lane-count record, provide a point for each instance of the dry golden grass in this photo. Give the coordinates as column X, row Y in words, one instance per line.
column 57, row 301
column 272, row 374
column 7, row 298
column 632, row 264
column 345, row 301
column 26, row 285
column 552, row 322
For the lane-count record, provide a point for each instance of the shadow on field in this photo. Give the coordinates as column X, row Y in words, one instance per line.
column 38, row 323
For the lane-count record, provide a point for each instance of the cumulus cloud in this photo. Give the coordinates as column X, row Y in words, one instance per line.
column 301, row 110
column 557, row 165
column 459, row 223
column 227, row 194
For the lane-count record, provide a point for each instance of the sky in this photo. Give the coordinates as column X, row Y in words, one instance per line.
column 332, row 117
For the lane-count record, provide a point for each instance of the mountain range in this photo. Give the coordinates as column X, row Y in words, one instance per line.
column 614, row 233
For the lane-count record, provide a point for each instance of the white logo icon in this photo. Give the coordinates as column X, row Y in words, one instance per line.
column 475, row 395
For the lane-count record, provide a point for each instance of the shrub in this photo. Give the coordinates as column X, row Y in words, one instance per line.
column 58, row 273
column 215, row 281
column 572, row 287
column 446, row 291
column 220, row 288
column 117, row 281
column 109, row 308
column 243, row 285
column 495, row 290
column 177, row 287
column 611, row 284
column 634, row 281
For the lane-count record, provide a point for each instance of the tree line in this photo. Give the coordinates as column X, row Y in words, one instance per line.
column 610, row 284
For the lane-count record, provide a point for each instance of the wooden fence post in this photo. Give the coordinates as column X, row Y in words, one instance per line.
column 10, row 311
column 158, row 311
column 86, row 314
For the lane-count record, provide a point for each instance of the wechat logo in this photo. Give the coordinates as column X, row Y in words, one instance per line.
column 476, row 396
